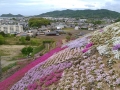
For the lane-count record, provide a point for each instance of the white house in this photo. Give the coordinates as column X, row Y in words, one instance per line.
column 60, row 26
column 77, row 28
column 82, row 20
column 11, row 28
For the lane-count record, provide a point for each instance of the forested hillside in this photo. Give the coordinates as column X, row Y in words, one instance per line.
column 101, row 13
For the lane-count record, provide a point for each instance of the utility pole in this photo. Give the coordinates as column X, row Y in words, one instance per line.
column 0, row 68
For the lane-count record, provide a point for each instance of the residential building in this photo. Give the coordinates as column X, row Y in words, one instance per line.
column 77, row 28
column 12, row 29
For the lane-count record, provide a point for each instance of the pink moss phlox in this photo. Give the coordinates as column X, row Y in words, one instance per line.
column 41, row 83
column 59, row 71
column 43, row 78
column 89, row 45
column 48, row 83
column 52, row 74
column 101, row 30
column 34, row 85
column 29, row 87
column 55, row 79
column 116, row 47
column 39, row 88
column 85, row 50
column 49, row 77
column 59, row 75
column 19, row 74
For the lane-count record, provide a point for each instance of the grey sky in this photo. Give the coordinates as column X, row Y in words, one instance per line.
column 35, row 7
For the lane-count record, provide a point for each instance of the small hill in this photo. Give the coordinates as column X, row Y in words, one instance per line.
column 100, row 13
column 11, row 15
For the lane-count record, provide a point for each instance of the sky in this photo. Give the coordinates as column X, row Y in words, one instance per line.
column 36, row 7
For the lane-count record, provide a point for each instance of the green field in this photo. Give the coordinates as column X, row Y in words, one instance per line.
column 68, row 29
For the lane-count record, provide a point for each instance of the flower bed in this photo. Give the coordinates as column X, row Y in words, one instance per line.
column 19, row 74
column 43, row 74
column 89, row 73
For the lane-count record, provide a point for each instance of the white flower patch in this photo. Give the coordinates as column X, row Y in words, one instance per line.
column 116, row 54
column 107, row 28
column 117, row 32
column 116, row 40
column 117, row 24
column 115, row 28
column 103, row 49
column 77, row 43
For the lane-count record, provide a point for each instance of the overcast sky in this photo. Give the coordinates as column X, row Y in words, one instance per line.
column 35, row 7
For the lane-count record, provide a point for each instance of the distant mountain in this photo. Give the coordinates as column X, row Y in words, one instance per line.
column 100, row 13
column 11, row 15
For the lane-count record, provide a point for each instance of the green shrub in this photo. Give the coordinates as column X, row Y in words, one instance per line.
column 27, row 50
column 38, row 49
column 34, row 42
column 2, row 33
column 68, row 37
column 27, row 38
column 22, row 40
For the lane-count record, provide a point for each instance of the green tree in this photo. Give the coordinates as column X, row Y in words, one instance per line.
column 38, row 22
column 97, row 22
column 68, row 37
column 2, row 33
column 117, row 20
column 28, row 38
column 2, row 40
column 34, row 42
column 27, row 50
column 24, row 51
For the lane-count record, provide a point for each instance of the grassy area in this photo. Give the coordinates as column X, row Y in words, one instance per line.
column 11, row 40
column 17, row 57
column 84, row 29
column 38, row 49
column 2, row 53
column 67, row 29
column 4, row 69
column 33, row 41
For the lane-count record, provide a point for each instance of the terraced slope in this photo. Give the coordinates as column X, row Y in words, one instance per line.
column 88, row 63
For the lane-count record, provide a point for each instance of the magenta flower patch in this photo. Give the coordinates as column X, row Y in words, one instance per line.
column 85, row 50
column 116, row 47
column 43, row 78
column 19, row 74
column 89, row 45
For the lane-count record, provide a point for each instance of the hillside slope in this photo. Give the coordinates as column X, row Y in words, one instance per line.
column 11, row 15
column 100, row 13
column 88, row 63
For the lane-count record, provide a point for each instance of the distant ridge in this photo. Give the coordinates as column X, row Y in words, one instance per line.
column 11, row 15
column 100, row 13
